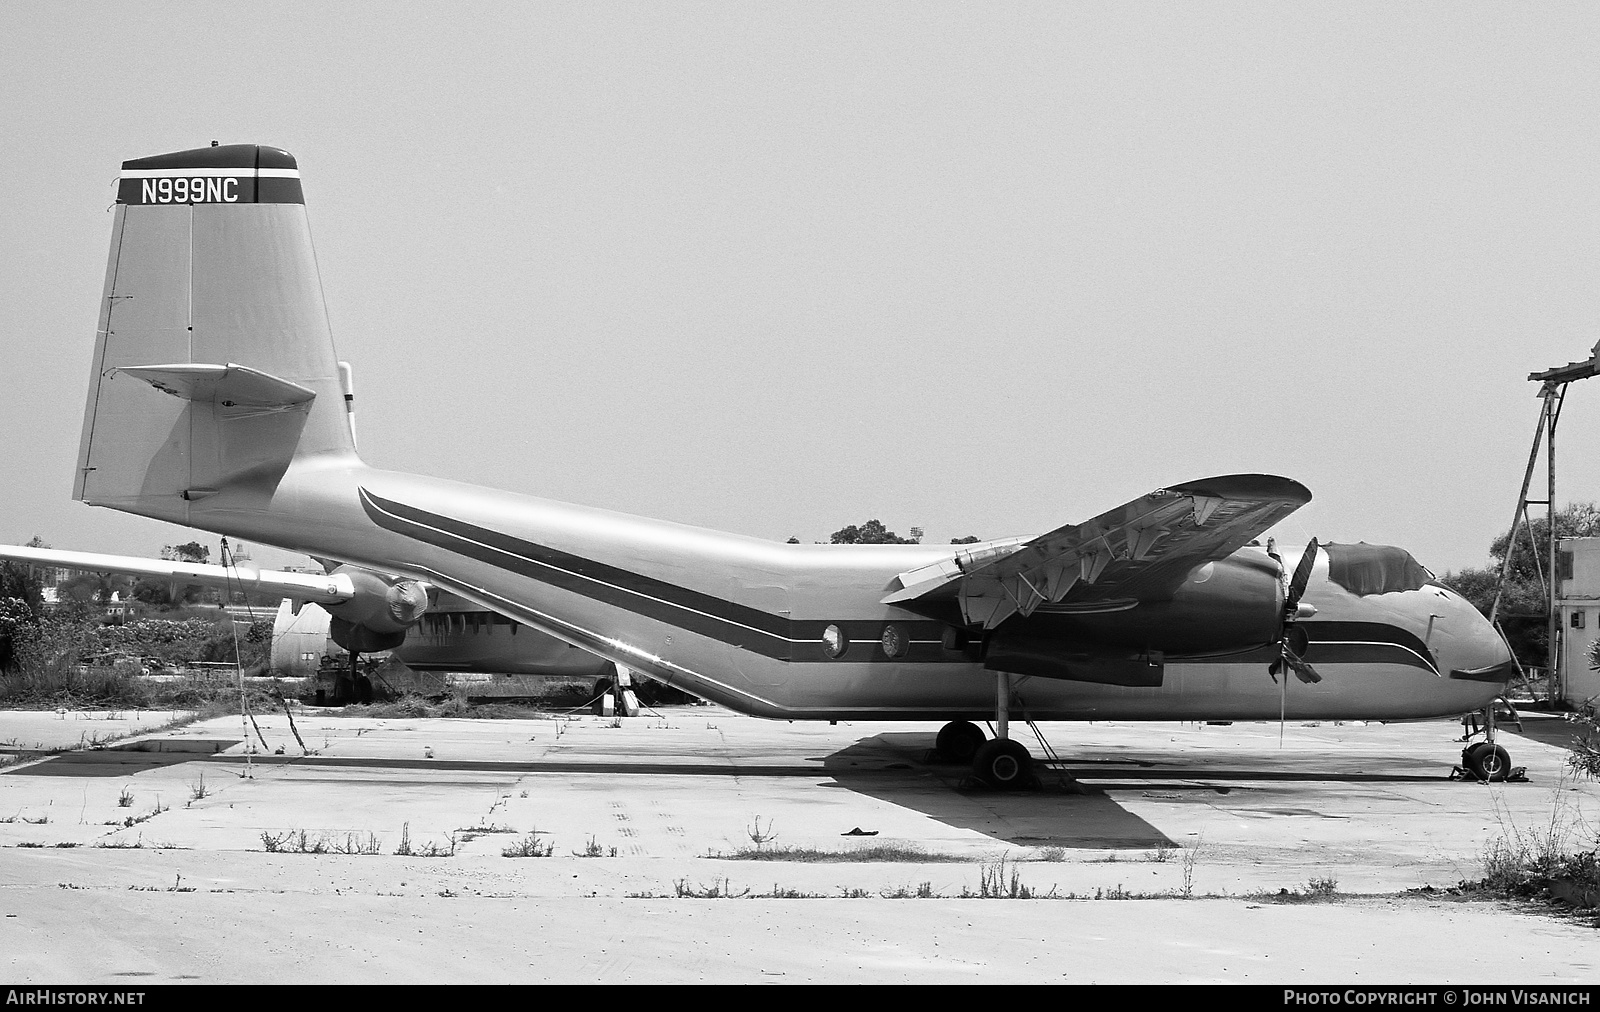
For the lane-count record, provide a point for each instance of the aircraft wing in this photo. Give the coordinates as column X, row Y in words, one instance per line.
column 332, row 588
column 1140, row 551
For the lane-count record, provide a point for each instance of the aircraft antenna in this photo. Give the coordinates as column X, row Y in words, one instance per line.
column 1553, row 385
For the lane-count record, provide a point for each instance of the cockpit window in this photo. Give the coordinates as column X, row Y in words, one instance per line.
column 1364, row 569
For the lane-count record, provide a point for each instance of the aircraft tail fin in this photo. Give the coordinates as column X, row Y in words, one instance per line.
column 214, row 367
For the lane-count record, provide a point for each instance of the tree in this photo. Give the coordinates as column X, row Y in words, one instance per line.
column 21, row 604
column 165, row 594
column 970, row 539
column 1524, row 614
column 870, row 533
column 190, row 551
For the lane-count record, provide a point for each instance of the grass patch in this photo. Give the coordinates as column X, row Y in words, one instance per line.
column 530, row 846
column 121, row 844
column 877, row 853
column 1318, row 890
column 1540, row 864
column 473, row 832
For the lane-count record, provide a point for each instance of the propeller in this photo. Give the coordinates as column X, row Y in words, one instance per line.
column 1292, row 641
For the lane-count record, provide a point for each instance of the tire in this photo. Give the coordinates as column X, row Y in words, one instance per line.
column 1004, row 764
column 959, row 741
column 1488, row 762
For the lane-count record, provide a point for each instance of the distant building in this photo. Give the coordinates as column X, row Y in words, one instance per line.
column 1578, row 604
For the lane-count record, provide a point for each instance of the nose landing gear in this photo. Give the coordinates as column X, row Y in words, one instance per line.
column 1486, row 761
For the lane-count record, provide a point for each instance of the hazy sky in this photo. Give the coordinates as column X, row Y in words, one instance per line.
column 776, row 268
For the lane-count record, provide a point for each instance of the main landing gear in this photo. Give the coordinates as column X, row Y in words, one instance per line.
column 1001, row 763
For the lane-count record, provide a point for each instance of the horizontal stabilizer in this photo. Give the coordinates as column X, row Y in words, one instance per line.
column 334, row 588
column 227, row 385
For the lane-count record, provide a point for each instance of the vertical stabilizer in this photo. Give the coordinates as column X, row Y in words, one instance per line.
column 214, row 368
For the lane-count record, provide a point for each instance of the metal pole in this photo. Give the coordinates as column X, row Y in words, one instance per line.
column 1522, row 510
column 1002, row 705
column 1551, row 411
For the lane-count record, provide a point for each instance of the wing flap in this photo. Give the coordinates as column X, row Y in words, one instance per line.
column 1138, row 551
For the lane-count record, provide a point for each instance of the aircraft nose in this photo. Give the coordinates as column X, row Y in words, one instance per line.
column 1465, row 644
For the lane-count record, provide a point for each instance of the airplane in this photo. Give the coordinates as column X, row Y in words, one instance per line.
column 215, row 402
column 362, row 611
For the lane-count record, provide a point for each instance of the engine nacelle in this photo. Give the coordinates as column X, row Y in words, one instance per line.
column 1231, row 604
column 383, row 609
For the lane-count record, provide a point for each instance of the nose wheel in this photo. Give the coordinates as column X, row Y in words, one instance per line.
column 1486, row 761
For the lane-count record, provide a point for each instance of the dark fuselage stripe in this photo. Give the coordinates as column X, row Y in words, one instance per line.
column 738, row 625
column 780, row 637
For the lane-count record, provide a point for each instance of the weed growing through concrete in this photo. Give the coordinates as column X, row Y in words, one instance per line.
column 759, row 836
column 19, row 817
column 1000, row 880
column 593, row 849
column 473, row 832
column 1162, row 854
column 197, row 790
column 121, row 844
column 1191, row 854
column 717, row 890
column 1318, row 890
column 125, row 799
column 1322, row 888
column 133, row 820
column 1053, row 854
column 431, row 849
column 404, row 848
column 354, row 844
column 531, row 846
column 294, row 841
column 922, row 891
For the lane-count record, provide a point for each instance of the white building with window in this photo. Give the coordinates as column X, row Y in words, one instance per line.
column 1578, row 603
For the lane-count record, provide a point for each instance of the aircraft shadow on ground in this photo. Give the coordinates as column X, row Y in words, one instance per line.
column 112, row 762
column 900, row 768
column 1071, row 806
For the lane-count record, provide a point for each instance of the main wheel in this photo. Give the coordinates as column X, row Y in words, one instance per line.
column 1003, row 764
column 959, row 741
column 1488, row 762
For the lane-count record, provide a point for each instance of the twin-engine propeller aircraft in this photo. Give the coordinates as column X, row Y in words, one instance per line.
column 361, row 611
column 215, row 402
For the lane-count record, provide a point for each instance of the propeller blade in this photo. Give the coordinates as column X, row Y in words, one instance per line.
column 1301, row 577
column 1303, row 671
